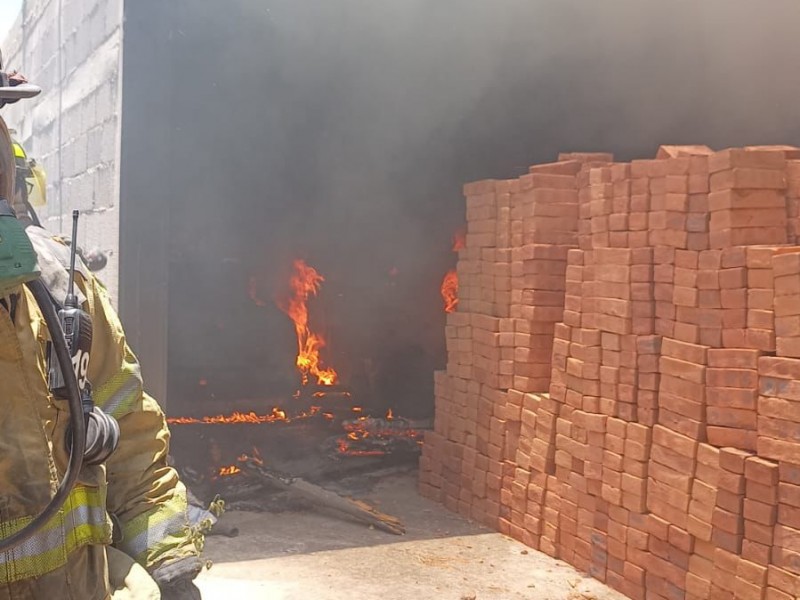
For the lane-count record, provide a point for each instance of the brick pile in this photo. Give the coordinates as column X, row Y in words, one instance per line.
column 623, row 379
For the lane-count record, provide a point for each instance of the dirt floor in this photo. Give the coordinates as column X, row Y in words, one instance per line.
column 305, row 555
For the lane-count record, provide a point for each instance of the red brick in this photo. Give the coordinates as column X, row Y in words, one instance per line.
column 731, row 377
column 786, row 285
column 747, row 236
column 755, row 552
column 789, row 472
column 789, row 494
column 748, row 591
column 778, row 449
column 783, row 580
column 786, row 559
column 748, row 178
column 782, row 368
column 747, row 217
column 680, row 423
column 731, row 482
column 732, row 418
column 733, row 278
column 759, row 512
column 732, row 397
column 675, row 442
column 726, row 436
column 778, row 429
column 683, row 369
column 726, row 541
column 789, row 516
column 761, row 470
column 786, row 263
column 674, row 479
column 733, row 460
column 684, row 351
column 787, row 326
column 737, row 157
column 760, row 319
column 771, row 409
column 775, row 594
column 681, row 540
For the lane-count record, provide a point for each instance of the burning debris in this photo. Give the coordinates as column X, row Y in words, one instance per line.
column 251, row 480
column 319, row 434
column 360, row 448
column 363, row 436
column 368, row 436
column 277, row 415
column 319, row 496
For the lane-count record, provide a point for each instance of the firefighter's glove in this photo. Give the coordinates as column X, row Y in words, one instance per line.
column 182, row 588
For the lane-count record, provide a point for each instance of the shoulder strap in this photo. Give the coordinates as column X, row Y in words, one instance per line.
column 53, row 256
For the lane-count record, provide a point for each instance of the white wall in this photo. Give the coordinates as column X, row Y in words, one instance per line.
column 72, row 49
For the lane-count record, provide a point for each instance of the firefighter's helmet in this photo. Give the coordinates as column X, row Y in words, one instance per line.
column 31, row 179
column 14, row 86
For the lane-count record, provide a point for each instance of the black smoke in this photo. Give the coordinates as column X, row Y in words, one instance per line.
column 341, row 131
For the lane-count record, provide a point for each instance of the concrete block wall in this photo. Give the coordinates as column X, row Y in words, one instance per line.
column 73, row 50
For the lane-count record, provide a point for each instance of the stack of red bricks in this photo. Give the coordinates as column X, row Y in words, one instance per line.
column 748, row 199
column 731, row 397
column 511, row 296
column 623, row 380
column 786, row 311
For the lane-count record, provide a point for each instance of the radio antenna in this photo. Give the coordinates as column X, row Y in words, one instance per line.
column 71, row 301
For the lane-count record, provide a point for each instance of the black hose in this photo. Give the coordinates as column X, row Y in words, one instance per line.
column 22, row 187
column 31, row 212
column 76, row 419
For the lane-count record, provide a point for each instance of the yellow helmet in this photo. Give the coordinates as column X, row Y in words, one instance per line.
column 31, row 178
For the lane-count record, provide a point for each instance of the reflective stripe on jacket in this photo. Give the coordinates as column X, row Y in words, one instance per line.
column 82, row 520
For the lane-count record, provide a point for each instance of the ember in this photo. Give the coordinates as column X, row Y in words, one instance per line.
column 306, row 283
column 368, row 436
column 228, row 471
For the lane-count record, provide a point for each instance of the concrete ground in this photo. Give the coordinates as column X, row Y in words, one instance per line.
column 306, row 555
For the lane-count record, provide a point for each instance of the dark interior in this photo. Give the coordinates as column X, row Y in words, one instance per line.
column 341, row 132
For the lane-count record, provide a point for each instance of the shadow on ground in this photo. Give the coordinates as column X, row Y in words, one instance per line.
column 267, row 535
column 298, row 556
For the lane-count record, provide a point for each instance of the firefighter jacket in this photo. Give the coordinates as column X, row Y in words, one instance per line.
column 67, row 558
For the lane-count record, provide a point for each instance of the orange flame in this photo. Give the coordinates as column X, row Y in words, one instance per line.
column 449, row 287
column 306, row 283
column 449, row 291
column 277, row 415
column 228, row 471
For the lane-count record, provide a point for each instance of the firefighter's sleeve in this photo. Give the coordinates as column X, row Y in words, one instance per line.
column 144, row 493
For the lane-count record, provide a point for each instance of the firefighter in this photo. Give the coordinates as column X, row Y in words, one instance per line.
column 123, row 532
